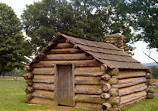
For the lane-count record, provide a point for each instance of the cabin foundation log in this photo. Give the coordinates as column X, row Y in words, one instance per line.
column 106, row 107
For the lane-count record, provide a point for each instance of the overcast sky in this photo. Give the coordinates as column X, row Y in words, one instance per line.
column 19, row 5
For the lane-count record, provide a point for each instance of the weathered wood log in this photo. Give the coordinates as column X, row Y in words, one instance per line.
column 28, row 76
column 132, row 89
column 92, row 106
column 65, row 51
column 43, row 71
column 28, row 68
column 88, row 89
column 105, row 95
column 105, row 87
column 89, row 98
column 29, row 89
column 42, row 101
column 106, row 107
column 148, row 76
column 103, row 67
column 105, row 77
column 131, row 102
column 78, row 56
column 63, row 45
column 87, row 80
column 43, row 94
column 29, row 96
column 114, row 100
column 43, row 86
column 150, row 90
column 113, row 81
column 130, row 73
column 44, row 78
column 133, row 96
column 113, row 72
column 150, row 95
column 29, row 82
column 114, row 92
column 149, row 82
column 129, row 82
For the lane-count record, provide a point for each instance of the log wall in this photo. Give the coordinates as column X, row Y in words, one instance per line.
column 87, row 77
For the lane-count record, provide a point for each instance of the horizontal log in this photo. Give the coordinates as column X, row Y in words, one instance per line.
column 129, row 82
column 131, row 102
column 43, row 78
column 79, row 56
column 150, row 95
column 87, row 80
column 29, row 89
column 149, row 82
column 77, row 63
column 65, row 51
column 42, row 101
column 43, row 71
column 92, row 106
column 132, row 89
column 89, row 98
column 43, row 86
column 113, row 81
column 43, row 94
column 88, row 89
column 105, row 95
column 148, row 75
column 150, row 90
column 114, row 92
column 113, row 72
column 114, row 100
column 105, row 87
column 130, row 74
column 42, row 65
column 28, row 76
column 63, row 45
column 105, row 77
column 106, row 106
column 29, row 82
column 133, row 96
column 29, row 96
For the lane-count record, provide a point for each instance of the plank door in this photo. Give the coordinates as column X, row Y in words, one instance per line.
column 64, row 85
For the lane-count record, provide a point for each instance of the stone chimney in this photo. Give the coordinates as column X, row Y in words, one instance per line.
column 117, row 40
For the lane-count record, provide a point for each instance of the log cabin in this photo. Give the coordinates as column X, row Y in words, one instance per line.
column 86, row 74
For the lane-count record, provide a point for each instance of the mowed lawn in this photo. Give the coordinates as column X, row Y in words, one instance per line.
column 12, row 99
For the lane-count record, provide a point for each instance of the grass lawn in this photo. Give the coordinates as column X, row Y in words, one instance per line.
column 12, row 99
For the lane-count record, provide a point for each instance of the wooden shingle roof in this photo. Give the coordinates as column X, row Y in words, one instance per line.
column 106, row 53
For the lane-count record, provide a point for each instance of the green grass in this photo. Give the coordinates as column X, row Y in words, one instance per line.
column 12, row 99
column 156, row 90
column 11, row 81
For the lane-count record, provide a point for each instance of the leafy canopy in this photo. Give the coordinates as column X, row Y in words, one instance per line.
column 13, row 47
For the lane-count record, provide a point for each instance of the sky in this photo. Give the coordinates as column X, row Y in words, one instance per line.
column 19, row 5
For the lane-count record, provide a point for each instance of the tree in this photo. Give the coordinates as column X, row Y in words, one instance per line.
column 154, row 70
column 86, row 18
column 13, row 47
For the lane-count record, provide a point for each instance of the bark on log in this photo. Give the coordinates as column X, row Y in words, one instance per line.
column 148, row 76
column 150, row 90
column 92, row 106
column 28, row 68
column 131, row 73
column 43, row 94
column 43, row 71
column 87, row 80
column 29, row 82
column 43, row 86
column 42, row 101
column 28, row 76
column 89, row 98
column 133, row 96
column 114, row 92
column 105, row 95
column 29, row 89
column 106, row 87
column 150, row 95
column 149, row 82
column 114, row 100
column 129, row 82
column 113, row 81
column 106, row 107
column 63, row 45
column 105, row 77
column 113, row 72
column 88, row 89
column 65, row 51
column 132, row 89
column 44, row 78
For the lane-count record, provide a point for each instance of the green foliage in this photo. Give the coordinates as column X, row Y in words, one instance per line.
column 154, row 72
column 85, row 18
column 16, row 72
column 12, row 43
column 145, row 18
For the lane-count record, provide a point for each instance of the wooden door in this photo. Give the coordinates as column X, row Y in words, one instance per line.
column 64, row 85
